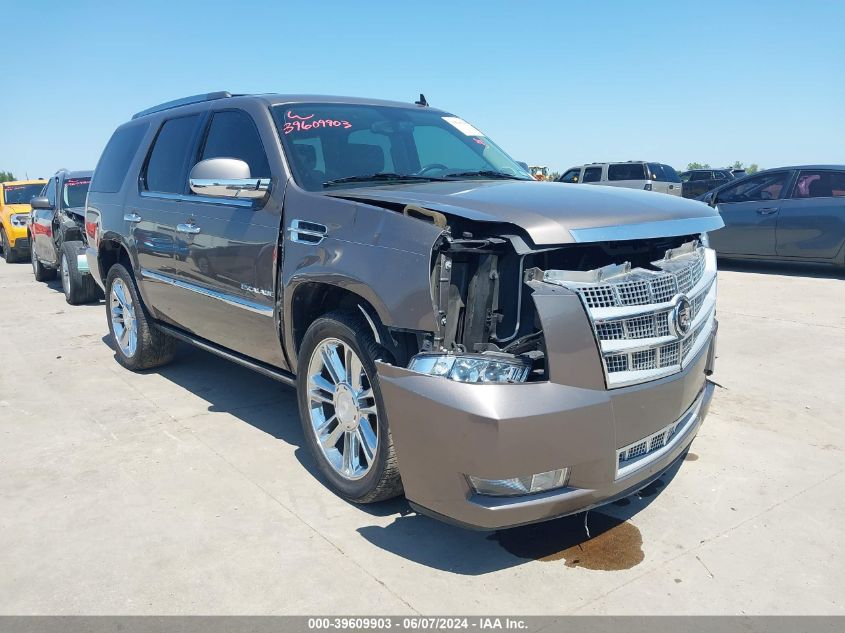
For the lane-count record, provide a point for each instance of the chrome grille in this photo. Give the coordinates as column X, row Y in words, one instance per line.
column 632, row 312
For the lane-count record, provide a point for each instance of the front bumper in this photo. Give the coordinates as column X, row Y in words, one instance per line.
column 18, row 238
column 445, row 430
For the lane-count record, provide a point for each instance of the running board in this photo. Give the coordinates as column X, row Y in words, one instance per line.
column 262, row 368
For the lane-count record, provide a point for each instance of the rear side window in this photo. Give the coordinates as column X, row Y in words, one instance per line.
column 114, row 162
column 665, row 173
column 232, row 134
column 702, row 175
column 592, row 174
column 626, row 171
column 820, row 184
column 167, row 164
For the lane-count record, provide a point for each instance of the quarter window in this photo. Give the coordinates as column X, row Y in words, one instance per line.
column 626, row 171
column 232, row 134
column 762, row 187
column 165, row 171
column 592, row 174
column 820, row 184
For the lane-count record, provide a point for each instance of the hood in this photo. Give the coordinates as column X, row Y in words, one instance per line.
column 551, row 212
column 11, row 209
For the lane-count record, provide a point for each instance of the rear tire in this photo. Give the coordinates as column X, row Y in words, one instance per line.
column 138, row 344
column 342, row 411
column 41, row 272
column 78, row 287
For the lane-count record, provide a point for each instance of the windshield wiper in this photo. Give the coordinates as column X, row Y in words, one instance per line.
column 486, row 173
column 380, row 176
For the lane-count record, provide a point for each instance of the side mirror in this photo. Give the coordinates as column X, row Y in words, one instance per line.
column 40, row 202
column 227, row 178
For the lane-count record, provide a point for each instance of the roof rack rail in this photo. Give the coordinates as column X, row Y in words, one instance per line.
column 211, row 96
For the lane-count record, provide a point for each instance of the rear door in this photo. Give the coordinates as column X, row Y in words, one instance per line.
column 750, row 209
column 811, row 222
column 161, row 250
column 231, row 252
column 592, row 175
column 42, row 226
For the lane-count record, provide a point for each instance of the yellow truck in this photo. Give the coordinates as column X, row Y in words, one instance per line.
column 14, row 214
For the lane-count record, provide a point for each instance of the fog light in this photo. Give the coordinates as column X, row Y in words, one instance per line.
column 530, row 484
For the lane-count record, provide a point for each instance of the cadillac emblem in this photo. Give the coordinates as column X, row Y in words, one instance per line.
column 680, row 317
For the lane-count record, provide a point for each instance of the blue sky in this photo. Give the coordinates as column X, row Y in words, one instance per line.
column 554, row 83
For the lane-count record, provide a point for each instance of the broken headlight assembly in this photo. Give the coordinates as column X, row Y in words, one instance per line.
column 473, row 368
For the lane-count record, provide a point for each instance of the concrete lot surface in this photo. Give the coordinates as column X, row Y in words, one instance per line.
column 187, row 490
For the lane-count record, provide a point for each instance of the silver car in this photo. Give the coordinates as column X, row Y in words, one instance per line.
column 633, row 174
column 788, row 214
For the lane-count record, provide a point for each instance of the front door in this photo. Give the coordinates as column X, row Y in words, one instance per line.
column 750, row 209
column 811, row 222
column 231, row 248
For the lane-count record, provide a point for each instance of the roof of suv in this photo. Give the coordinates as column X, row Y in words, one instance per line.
column 273, row 99
column 86, row 173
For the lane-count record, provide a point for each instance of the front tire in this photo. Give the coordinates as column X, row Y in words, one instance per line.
column 41, row 272
column 78, row 287
column 9, row 254
column 138, row 344
column 342, row 411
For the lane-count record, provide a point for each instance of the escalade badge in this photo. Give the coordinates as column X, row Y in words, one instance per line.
column 680, row 317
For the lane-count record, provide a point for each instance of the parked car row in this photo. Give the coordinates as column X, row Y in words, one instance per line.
column 633, row 174
column 43, row 221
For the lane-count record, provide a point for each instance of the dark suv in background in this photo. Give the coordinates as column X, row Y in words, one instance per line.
column 699, row 181
column 503, row 350
column 57, row 235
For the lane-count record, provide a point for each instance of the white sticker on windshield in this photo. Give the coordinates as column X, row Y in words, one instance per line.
column 462, row 125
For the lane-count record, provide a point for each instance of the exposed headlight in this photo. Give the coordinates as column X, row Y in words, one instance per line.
column 19, row 219
column 705, row 240
column 516, row 486
column 477, row 368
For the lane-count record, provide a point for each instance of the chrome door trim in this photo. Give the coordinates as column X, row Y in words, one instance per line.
column 646, row 230
column 230, row 202
column 231, row 300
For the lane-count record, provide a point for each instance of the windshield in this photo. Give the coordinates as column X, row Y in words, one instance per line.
column 21, row 194
column 74, row 192
column 328, row 143
column 663, row 173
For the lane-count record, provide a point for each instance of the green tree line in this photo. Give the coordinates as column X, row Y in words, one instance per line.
column 6, row 176
column 753, row 168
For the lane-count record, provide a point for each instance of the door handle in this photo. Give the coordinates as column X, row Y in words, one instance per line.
column 190, row 229
column 132, row 217
column 767, row 210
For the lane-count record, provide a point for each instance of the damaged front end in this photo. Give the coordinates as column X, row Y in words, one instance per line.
column 557, row 379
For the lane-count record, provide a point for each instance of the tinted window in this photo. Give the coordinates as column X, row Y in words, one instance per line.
column 592, row 174
column 232, row 134
column 702, row 175
column 663, row 173
column 626, row 171
column 50, row 192
column 573, row 175
column 114, row 162
column 762, row 187
column 166, row 167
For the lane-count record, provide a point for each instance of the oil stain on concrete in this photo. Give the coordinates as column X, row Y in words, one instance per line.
column 690, row 457
column 613, row 544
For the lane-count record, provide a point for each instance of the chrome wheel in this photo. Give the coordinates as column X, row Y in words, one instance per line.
column 342, row 407
column 65, row 275
column 122, row 314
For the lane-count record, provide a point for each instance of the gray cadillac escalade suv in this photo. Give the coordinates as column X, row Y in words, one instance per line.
column 504, row 351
